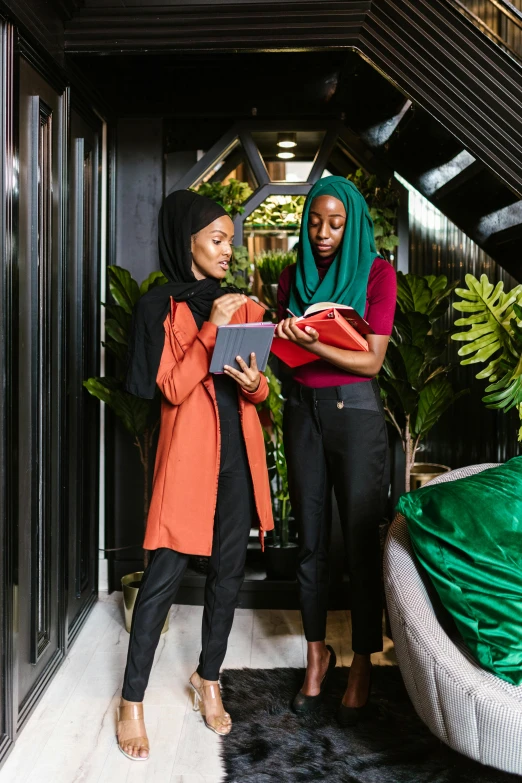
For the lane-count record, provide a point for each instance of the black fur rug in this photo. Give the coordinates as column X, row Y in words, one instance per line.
column 269, row 743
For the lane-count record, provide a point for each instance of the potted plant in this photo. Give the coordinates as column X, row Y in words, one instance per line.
column 270, row 264
column 414, row 383
column 280, row 553
column 494, row 318
column 135, row 414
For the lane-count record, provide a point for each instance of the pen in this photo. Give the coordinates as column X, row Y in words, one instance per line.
column 291, row 313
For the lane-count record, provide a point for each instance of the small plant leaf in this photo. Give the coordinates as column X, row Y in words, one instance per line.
column 123, row 287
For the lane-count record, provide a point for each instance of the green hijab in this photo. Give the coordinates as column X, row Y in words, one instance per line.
column 346, row 280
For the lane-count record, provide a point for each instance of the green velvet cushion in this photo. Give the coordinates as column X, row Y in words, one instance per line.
column 468, row 536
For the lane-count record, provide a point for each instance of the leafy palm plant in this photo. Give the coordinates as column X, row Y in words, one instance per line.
column 133, row 412
column 414, row 383
column 494, row 318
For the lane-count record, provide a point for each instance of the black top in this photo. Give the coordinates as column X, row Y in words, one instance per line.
column 225, row 386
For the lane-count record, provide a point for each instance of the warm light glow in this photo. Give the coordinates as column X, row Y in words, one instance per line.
column 286, row 155
column 286, row 140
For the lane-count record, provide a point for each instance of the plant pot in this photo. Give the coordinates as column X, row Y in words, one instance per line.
column 422, row 472
column 281, row 562
column 130, row 585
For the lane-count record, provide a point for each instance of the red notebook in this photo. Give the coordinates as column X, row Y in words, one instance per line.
column 333, row 328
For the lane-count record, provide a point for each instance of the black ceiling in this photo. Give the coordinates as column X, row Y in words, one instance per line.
column 232, row 85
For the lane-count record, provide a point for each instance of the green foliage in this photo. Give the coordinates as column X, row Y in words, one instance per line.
column 414, row 383
column 276, row 461
column 231, row 196
column 132, row 411
column 241, row 270
column 271, row 263
column 383, row 202
column 125, row 292
column 277, row 212
column 494, row 318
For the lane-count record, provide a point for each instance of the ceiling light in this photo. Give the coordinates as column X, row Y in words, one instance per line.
column 286, row 155
column 287, row 140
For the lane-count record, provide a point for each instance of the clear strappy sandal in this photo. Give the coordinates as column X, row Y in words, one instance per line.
column 127, row 713
column 206, row 692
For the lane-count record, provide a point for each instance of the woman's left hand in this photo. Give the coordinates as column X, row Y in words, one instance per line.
column 288, row 330
column 248, row 378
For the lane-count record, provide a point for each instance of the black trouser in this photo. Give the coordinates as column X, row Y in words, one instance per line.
column 337, row 437
column 235, row 513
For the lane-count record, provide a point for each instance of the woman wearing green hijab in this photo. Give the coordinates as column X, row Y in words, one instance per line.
column 334, row 430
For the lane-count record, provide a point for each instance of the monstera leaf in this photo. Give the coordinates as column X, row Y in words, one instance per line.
column 489, row 311
column 494, row 336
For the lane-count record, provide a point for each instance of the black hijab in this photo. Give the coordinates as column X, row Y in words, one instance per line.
column 183, row 214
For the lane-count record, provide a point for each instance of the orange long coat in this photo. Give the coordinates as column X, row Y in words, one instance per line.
column 184, row 494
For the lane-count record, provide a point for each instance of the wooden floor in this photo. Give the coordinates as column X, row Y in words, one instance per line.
column 71, row 736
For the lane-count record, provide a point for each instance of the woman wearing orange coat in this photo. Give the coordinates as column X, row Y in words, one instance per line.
column 210, row 479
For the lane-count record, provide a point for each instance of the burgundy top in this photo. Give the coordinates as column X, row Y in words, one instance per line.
column 379, row 312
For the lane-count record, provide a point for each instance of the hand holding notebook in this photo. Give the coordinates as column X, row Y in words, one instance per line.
column 337, row 325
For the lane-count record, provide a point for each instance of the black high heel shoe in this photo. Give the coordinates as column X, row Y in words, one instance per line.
column 303, row 704
column 350, row 716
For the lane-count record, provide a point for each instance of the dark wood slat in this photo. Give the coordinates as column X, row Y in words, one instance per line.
column 433, row 54
column 267, row 25
column 456, row 74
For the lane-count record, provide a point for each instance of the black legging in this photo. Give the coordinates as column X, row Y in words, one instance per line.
column 234, row 516
column 336, row 436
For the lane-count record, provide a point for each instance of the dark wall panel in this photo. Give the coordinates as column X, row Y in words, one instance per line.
column 43, row 118
column 468, row 433
column 83, row 361
column 139, row 193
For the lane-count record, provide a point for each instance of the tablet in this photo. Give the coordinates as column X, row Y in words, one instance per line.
column 241, row 340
